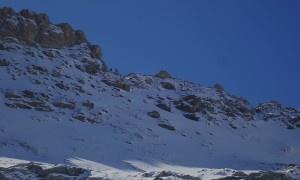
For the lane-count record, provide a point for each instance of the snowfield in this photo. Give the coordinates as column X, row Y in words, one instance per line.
column 59, row 108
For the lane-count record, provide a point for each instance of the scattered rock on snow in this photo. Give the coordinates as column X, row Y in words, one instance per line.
column 88, row 104
column 167, row 85
column 64, row 105
column 168, row 127
column 164, row 107
column 4, row 62
column 258, row 176
column 154, row 114
column 118, row 84
column 191, row 117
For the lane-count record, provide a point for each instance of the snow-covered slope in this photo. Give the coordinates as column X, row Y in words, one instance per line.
column 61, row 106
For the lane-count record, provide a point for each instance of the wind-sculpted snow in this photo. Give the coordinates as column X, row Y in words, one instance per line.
column 60, row 106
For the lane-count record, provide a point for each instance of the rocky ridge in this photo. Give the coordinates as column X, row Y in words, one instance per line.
column 30, row 27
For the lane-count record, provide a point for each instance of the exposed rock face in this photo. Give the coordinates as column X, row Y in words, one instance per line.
column 35, row 170
column 96, row 51
column 28, row 100
column 163, row 74
column 118, row 84
column 5, row 11
column 275, row 111
column 167, row 85
column 191, row 117
column 218, row 87
column 3, row 62
column 168, row 127
column 30, row 27
column 154, row 114
column 164, row 107
column 231, row 108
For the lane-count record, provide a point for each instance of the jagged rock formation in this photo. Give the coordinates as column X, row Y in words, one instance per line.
column 163, row 74
column 30, row 27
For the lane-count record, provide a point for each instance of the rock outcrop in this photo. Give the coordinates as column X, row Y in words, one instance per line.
column 163, row 74
column 30, row 27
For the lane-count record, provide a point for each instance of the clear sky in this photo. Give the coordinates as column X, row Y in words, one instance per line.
column 251, row 47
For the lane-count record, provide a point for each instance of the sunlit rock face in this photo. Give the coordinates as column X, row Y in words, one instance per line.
column 30, row 27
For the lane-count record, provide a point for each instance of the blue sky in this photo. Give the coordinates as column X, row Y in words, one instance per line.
column 251, row 47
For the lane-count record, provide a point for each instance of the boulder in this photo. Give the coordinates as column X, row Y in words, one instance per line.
column 191, row 117
column 88, row 104
column 62, row 105
column 154, row 114
column 28, row 94
column 118, row 84
column 168, row 127
column 4, row 62
column 167, row 85
column 163, row 74
column 164, row 107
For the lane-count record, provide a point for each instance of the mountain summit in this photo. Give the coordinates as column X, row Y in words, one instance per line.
column 64, row 115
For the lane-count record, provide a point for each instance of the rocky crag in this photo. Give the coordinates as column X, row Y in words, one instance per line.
column 30, row 27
